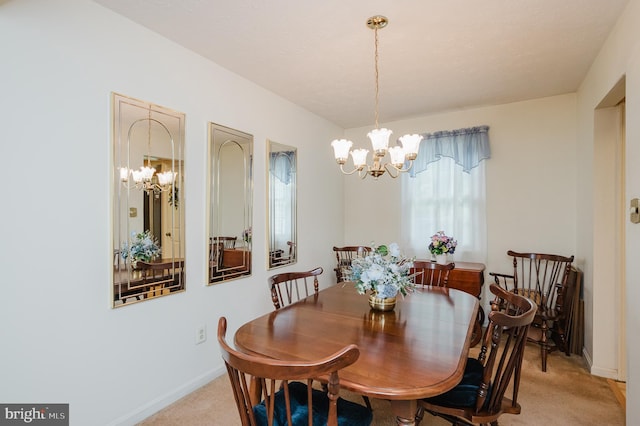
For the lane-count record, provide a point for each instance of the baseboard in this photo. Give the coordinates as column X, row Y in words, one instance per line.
column 163, row 401
column 607, row 373
column 587, row 358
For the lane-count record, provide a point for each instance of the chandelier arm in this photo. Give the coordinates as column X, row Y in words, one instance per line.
column 400, row 169
column 390, row 168
column 355, row 169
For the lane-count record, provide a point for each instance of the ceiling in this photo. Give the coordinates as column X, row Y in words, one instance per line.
column 433, row 56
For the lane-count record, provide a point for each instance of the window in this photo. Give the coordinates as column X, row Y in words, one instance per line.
column 447, row 193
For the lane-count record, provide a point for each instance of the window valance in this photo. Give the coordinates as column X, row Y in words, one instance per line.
column 467, row 147
column 281, row 165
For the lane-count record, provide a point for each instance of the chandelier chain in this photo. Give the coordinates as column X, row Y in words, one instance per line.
column 149, row 139
column 377, row 76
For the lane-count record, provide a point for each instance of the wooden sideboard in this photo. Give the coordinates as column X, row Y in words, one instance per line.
column 238, row 259
column 468, row 277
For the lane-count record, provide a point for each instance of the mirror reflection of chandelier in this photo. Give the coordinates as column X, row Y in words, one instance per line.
column 399, row 155
column 143, row 178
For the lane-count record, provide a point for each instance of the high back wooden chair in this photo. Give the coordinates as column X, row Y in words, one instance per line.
column 289, row 287
column 544, row 278
column 480, row 397
column 285, row 388
column 431, row 273
column 344, row 256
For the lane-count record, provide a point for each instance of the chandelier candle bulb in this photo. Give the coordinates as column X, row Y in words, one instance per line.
column 379, row 140
column 341, row 149
column 166, row 178
column 410, row 145
column 124, row 174
column 397, row 156
column 359, row 157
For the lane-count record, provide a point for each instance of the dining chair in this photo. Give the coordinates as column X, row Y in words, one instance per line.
column 480, row 397
column 431, row 273
column 289, row 287
column 216, row 254
column 544, row 278
column 277, row 257
column 344, row 256
column 283, row 388
column 228, row 242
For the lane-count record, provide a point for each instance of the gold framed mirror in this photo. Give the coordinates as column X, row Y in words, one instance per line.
column 230, row 206
column 148, row 200
column 282, row 204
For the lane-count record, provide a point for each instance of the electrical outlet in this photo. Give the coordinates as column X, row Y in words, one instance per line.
column 201, row 334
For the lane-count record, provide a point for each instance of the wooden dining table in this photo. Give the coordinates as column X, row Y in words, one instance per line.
column 415, row 351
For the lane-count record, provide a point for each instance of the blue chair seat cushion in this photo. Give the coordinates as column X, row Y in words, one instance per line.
column 349, row 413
column 465, row 394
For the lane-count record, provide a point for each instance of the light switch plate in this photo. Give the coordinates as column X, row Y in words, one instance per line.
column 634, row 211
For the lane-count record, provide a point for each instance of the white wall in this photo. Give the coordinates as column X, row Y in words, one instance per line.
column 619, row 57
column 531, row 178
column 61, row 341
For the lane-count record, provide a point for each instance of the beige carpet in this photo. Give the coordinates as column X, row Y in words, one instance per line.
column 565, row 395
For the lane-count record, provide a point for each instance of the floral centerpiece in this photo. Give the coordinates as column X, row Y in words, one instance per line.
column 143, row 247
column 384, row 271
column 442, row 244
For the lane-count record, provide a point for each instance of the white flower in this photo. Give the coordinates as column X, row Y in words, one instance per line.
column 374, row 273
column 394, row 250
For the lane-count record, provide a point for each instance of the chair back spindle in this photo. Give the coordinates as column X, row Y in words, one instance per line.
column 431, row 273
column 289, row 287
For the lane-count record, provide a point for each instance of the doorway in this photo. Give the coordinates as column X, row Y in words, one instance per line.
column 610, row 219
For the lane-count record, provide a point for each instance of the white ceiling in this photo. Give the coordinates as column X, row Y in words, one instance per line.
column 435, row 55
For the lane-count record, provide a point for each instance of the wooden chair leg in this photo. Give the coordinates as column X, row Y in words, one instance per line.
column 367, row 402
column 419, row 415
column 544, row 346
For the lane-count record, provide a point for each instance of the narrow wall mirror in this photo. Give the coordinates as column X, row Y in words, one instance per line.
column 281, row 193
column 148, row 201
column 230, row 209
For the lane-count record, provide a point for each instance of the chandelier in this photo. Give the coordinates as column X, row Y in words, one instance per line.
column 401, row 157
column 146, row 178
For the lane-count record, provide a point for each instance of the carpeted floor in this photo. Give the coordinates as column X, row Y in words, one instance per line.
column 565, row 395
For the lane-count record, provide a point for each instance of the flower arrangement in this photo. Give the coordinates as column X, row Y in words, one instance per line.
column 144, row 247
column 384, row 271
column 246, row 235
column 442, row 244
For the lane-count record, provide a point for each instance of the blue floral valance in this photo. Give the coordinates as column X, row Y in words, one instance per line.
column 468, row 147
column 281, row 165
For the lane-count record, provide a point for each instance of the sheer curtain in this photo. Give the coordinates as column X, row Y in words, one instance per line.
column 446, row 192
column 282, row 169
